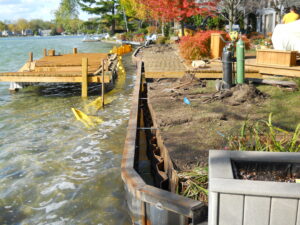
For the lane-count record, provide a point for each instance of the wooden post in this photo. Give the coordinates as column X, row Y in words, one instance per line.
column 84, row 84
column 30, row 56
column 74, row 51
column 217, row 45
column 102, row 84
column 51, row 52
column 45, row 52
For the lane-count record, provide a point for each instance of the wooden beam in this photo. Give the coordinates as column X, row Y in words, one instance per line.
column 45, row 52
column 53, row 79
column 280, row 72
column 58, row 69
column 40, row 73
column 282, row 83
column 30, row 57
column 84, row 84
column 102, row 85
column 203, row 75
column 74, row 51
column 168, row 74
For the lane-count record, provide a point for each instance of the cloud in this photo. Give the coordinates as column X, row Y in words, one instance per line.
column 29, row 9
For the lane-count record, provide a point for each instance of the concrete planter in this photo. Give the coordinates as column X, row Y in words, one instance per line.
column 245, row 202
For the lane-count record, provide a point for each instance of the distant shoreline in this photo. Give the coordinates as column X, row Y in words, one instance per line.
column 42, row 37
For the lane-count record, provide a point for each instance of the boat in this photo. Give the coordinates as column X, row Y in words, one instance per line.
column 91, row 39
column 95, row 38
column 135, row 43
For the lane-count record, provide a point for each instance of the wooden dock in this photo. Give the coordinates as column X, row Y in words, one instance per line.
column 263, row 69
column 82, row 68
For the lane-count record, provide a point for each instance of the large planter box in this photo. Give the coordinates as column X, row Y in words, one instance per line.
column 276, row 57
column 217, row 45
column 245, row 202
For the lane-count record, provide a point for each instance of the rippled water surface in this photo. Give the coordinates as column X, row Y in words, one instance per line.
column 53, row 170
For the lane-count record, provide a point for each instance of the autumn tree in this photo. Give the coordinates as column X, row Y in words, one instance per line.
column 133, row 8
column 178, row 10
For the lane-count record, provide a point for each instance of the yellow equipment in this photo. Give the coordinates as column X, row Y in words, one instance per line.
column 94, row 106
column 233, row 35
column 88, row 121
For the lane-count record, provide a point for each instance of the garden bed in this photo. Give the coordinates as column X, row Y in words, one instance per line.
column 212, row 118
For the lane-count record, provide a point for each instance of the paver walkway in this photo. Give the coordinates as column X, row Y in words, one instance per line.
column 162, row 59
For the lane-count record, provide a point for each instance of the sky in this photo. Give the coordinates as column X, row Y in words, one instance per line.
column 31, row 9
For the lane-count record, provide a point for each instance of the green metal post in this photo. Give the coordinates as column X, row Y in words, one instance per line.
column 240, row 61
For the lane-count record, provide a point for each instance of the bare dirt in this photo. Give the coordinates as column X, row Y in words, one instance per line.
column 190, row 130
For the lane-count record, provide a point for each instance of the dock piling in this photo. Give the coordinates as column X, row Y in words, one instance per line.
column 74, row 51
column 51, row 52
column 84, row 84
column 45, row 52
column 102, row 84
column 30, row 56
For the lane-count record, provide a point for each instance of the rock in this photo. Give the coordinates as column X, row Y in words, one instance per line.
column 198, row 64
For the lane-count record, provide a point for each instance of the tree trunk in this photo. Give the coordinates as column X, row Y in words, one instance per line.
column 113, row 22
column 125, row 19
column 182, row 27
column 231, row 19
column 163, row 28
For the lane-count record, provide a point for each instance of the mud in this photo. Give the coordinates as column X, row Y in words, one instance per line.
column 190, row 130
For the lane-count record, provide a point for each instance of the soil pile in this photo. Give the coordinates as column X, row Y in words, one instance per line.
column 245, row 93
column 238, row 95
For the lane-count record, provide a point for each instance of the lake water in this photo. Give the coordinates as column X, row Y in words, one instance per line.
column 53, row 170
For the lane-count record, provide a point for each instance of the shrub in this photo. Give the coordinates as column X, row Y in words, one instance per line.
column 121, row 36
column 161, row 40
column 256, row 38
column 167, row 30
column 138, row 37
column 197, row 46
column 253, row 34
column 246, row 41
column 143, row 31
column 151, row 29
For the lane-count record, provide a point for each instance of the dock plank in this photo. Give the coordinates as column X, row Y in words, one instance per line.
column 54, row 79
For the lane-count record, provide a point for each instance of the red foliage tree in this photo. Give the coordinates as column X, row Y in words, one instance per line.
column 179, row 10
column 198, row 46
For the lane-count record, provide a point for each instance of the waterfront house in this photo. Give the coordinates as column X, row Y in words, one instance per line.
column 269, row 16
column 27, row 32
column 7, row 33
column 45, row 32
